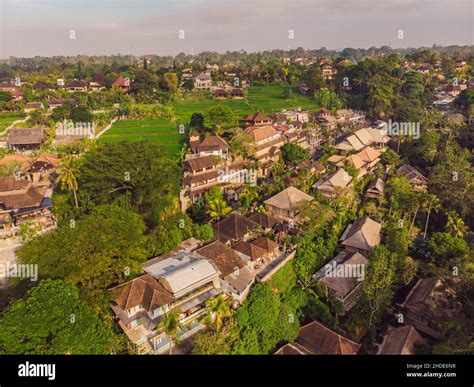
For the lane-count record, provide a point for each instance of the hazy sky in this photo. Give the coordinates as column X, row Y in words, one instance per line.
column 43, row 27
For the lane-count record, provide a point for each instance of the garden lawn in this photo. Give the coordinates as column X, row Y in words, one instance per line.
column 161, row 132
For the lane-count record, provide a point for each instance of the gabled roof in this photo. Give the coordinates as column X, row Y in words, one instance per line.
column 226, row 259
column 145, row 291
column 289, row 199
column 404, row 340
column 257, row 117
column 249, row 249
column 350, row 143
column 265, row 243
column 260, row 133
column 235, row 226
column 368, row 154
column 291, row 349
column 319, row 339
column 376, row 186
column 212, row 142
column 200, row 163
column 28, row 136
column 265, row 220
column 76, row 83
column 363, row 234
column 364, row 136
column 340, row 179
column 412, row 174
column 343, row 285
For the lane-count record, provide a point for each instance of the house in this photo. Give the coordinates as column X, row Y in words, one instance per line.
column 57, row 102
column 328, row 71
column 326, row 120
column 13, row 89
column 183, row 282
column 122, row 83
column 265, row 220
column 236, row 274
column 97, row 82
column 22, row 201
column 376, row 189
column 316, row 339
column 364, row 161
column 219, row 93
column 343, row 277
column 417, row 180
column 42, row 85
column 76, row 85
column 330, row 186
column 311, row 166
column 237, row 93
column 404, row 340
column 257, row 119
column 271, row 248
column 33, row 106
column 377, row 138
column 213, row 145
column 250, row 253
column 203, row 81
column 295, row 115
column 362, row 235
column 286, row 205
column 350, row 117
column 22, row 139
column 268, row 142
column 428, row 304
column 235, row 227
column 41, row 169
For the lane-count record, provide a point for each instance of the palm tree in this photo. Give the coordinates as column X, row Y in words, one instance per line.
column 170, row 325
column 67, row 173
column 455, row 225
column 431, row 203
column 219, row 308
column 218, row 208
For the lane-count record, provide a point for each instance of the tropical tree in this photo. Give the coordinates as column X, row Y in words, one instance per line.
column 170, row 325
column 455, row 225
column 219, row 308
column 218, row 208
column 431, row 203
column 67, row 176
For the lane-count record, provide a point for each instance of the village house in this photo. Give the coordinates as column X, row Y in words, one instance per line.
column 286, row 205
column 328, row 71
column 237, row 93
column 203, row 81
column 404, row 340
column 23, row 201
column 219, row 93
column 234, row 228
column 329, row 186
column 213, row 145
column 376, row 189
column 326, row 120
column 122, row 83
column 97, row 82
column 236, row 274
column 316, row 339
column 76, row 85
column 42, row 86
column 13, row 89
column 26, row 139
column 350, row 117
column 33, row 106
column 183, row 282
column 343, row 276
column 205, row 172
column 58, row 102
column 268, row 142
column 417, row 180
column 429, row 303
column 257, row 119
column 364, row 161
column 374, row 137
column 362, row 235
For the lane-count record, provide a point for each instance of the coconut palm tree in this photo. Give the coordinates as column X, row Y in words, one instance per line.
column 431, row 203
column 218, row 208
column 67, row 173
column 170, row 325
column 455, row 225
column 219, row 308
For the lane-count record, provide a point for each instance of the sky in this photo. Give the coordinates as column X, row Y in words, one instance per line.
column 103, row 27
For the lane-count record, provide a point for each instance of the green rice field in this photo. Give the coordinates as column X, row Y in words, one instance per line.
column 161, row 132
column 7, row 118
